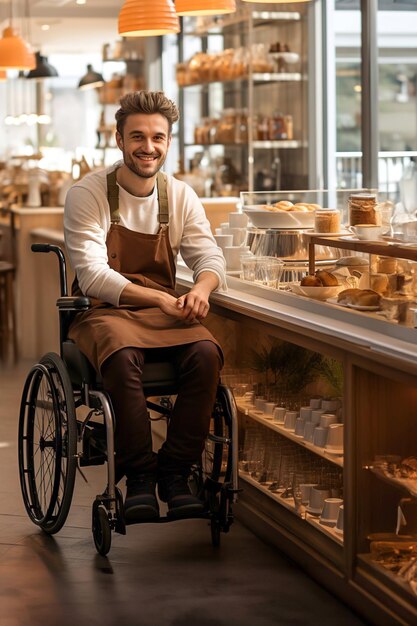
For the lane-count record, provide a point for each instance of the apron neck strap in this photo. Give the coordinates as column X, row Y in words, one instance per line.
column 163, row 213
column 113, row 197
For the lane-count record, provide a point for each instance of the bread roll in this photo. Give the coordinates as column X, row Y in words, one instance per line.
column 367, row 297
column 311, row 281
column 327, row 279
column 347, row 296
column 359, row 297
column 284, row 204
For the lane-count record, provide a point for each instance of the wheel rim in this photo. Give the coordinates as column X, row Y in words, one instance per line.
column 43, row 449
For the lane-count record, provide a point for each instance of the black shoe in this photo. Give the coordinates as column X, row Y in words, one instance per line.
column 174, row 490
column 141, row 504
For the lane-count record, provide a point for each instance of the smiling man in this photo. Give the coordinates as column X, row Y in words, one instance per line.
column 124, row 229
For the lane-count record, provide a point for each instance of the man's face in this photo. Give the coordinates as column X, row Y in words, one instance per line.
column 144, row 143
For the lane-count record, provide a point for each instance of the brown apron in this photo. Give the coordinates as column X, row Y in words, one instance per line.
column 146, row 260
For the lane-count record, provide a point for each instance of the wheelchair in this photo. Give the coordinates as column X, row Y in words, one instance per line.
column 66, row 422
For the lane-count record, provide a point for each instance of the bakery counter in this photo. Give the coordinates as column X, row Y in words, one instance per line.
column 361, row 331
column 342, row 440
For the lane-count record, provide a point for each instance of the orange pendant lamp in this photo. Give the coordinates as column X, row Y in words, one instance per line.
column 276, row 1
column 15, row 53
column 147, row 18
column 205, row 7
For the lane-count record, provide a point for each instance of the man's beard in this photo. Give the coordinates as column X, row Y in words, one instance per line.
column 138, row 171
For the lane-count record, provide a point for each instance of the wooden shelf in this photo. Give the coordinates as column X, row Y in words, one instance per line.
column 382, row 248
column 289, row 504
column 260, row 417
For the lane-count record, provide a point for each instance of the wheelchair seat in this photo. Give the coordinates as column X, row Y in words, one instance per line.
column 58, row 433
column 159, row 377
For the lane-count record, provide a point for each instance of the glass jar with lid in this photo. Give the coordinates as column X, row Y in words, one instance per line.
column 363, row 209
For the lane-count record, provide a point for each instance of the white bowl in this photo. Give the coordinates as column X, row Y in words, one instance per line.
column 317, row 293
column 288, row 57
column 262, row 218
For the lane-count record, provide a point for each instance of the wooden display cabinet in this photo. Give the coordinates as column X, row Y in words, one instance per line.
column 379, row 409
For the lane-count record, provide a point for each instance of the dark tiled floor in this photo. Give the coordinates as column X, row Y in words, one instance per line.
column 157, row 575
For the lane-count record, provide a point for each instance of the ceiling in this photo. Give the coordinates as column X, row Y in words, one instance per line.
column 73, row 28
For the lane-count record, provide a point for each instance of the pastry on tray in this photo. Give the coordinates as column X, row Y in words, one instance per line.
column 359, row 297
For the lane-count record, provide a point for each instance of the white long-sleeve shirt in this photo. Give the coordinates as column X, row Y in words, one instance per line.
column 87, row 221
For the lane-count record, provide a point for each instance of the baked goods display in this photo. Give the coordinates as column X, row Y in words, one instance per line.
column 286, row 205
column 229, row 64
column 359, row 297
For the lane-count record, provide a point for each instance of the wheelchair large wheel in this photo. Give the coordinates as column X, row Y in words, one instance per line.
column 47, row 443
column 216, row 460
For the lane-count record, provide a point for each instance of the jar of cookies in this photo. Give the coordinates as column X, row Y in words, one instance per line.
column 363, row 209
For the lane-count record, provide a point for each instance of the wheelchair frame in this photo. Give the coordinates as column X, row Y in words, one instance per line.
column 49, row 455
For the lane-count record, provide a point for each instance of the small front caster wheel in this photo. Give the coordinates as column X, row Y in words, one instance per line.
column 101, row 529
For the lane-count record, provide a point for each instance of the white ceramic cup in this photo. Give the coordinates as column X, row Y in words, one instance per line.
column 224, row 240
column 239, row 234
column 305, row 489
column 330, row 405
column 269, row 408
column 367, row 232
column 309, row 431
column 315, row 403
column 232, row 255
column 327, row 418
column 339, row 522
column 318, row 495
column 238, row 220
column 299, row 427
column 290, row 418
column 335, row 437
column 260, row 402
column 316, row 415
column 305, row 413
column 279, row 414
column 330, row 511
column 320, row 436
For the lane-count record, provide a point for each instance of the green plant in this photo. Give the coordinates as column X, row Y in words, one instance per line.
column 292, row 367
column 332, row 371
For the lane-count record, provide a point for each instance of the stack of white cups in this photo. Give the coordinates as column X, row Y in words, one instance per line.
column 230, row 237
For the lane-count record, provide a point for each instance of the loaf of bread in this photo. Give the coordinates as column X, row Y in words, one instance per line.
column 327, row 279
column 359, row 297
column 320, row 279
column 311, row 281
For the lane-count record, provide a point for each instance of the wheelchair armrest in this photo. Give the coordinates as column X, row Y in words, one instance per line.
column 73, row 303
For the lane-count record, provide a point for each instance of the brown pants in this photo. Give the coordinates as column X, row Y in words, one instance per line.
column 197, row 365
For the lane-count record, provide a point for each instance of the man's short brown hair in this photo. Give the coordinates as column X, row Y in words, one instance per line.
column 148, row 102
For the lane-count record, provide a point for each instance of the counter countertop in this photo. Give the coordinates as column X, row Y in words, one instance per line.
column 276, row 306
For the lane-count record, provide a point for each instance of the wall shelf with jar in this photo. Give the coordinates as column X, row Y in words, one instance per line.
column 254, row 66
